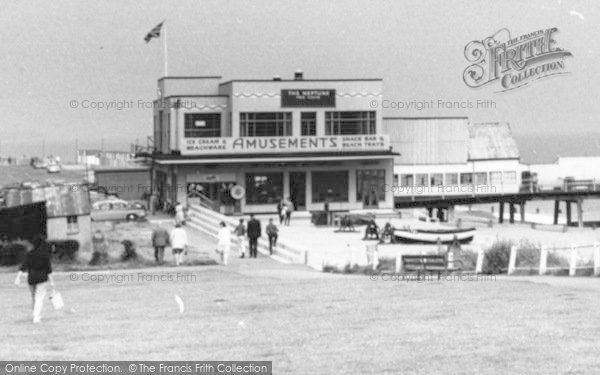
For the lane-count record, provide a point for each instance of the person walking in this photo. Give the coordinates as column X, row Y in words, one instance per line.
column 224, row 243
column 279, row 212
column 160, row 239
column 272, row 232
column 179, row 242
column 288, row 212
column 179, row 214
column 38, row 267
column 240, row 233
column 254, row 232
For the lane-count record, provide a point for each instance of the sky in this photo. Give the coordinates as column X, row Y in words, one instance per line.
column 54, row 52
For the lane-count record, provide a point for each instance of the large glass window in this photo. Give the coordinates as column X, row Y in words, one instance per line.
column 480, row 178
column 264, row 188
column 451, row 179
column 466, row 178
column 407, row 180
column 370, row 183
column 496, row 179
column 348, row 123
column 437, row 179
column 330, row 185
column 265, row 124
column 422, row 179
column 308, row 123
column 199, row 125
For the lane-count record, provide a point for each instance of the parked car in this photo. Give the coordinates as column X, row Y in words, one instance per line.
column 116, row 210
column 53, row 168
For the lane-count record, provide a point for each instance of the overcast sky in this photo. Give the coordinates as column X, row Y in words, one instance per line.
column 53, row 52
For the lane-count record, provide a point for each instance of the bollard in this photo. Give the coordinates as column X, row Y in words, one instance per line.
column 512, row 260
column 596, row 259
column 573, row 261
column 398, row 263
column 479, row 263
column 543, row 260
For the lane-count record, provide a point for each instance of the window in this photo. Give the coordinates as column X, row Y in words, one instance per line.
column 265, row 124
column 510, row 177
column 407, row 180
column 496, row 178
column 466, row 178
column 348, row 123
column 308, row 123
column 370, row 183
column 451, row 179
column 480, row 178
column 264, row 188
column 72, row 225
column 422, row 179
column 437, row 179
column 330, row 185
column 199, row 125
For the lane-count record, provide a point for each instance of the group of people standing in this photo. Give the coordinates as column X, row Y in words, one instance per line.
column 284, row 211
column 253, row 231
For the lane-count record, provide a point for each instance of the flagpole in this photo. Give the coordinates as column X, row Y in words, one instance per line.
column 165, row 49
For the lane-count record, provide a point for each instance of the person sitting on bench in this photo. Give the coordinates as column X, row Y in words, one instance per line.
column 387, row 233
column 371, row 231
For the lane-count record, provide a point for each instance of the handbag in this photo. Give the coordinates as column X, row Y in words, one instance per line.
column 57, row 300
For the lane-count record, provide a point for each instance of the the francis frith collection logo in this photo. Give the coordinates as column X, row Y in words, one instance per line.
column 514, row 62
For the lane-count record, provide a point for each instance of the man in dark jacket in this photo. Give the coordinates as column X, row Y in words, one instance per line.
column 160, row 239
column 254, row 232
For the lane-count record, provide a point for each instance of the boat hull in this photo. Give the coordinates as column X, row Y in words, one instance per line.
column 433, row 236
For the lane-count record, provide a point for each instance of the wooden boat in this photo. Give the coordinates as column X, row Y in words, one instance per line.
column 433, row 235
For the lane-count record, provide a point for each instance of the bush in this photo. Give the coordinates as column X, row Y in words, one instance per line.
column 496, row 257
column 12, row 254
column 64, row 250
column 469, row 259
column 128, row 251
column 528, row 254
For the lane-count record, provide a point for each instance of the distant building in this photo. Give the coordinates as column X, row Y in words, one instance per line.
column 67, row 210
column 102, row 158
column 566, row 167
column 247, row 144
column 451, row 156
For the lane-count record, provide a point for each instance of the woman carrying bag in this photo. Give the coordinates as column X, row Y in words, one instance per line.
column 37, row 266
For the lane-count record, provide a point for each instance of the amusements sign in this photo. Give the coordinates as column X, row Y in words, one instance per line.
column 261, row 145
column 308, row 98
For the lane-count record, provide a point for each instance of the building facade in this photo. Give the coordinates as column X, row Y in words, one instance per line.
column 449, row 156
column 245, row 145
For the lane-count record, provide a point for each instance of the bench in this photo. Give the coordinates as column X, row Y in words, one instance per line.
column 428, row 263
column 346, row 224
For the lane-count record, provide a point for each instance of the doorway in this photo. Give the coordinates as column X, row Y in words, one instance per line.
column 298, row 190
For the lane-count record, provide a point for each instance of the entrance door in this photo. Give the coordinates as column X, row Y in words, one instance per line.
column 370, row 185
column 298, row 190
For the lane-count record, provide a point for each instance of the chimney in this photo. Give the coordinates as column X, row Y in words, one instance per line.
column 276, row 78
column 298, row 75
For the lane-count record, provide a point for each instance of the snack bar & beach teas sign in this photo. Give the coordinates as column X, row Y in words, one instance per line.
column 203, row 146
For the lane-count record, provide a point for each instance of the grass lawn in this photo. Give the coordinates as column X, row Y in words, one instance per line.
column 309, row 322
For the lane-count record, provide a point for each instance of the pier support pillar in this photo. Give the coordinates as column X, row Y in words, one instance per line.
column 522, row 211
column 430, row 212
column 556, row 209
column 450, row 215
column 579, row 213
column 568, row 203
column 501, row 213
column 512, row 212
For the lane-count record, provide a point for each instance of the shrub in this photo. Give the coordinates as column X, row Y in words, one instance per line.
column 64, row 250
column 128, row 251
column 12, row 254
column 469, row 259
column 528, row 254
column 496, row 257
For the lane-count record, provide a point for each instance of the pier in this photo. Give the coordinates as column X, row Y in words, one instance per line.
column 445, row 204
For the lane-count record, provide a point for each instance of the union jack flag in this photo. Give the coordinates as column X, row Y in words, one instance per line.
column 154, row 33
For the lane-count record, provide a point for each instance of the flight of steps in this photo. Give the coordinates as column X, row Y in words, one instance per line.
column 207, row 221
